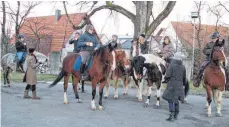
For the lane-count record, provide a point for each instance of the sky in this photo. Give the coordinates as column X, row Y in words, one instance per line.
column 119, row 24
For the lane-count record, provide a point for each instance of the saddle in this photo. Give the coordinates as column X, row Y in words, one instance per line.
column 20, row 57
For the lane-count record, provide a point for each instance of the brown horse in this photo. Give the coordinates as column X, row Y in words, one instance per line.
column 120, row 72
column 102, row 63
column 214, row 77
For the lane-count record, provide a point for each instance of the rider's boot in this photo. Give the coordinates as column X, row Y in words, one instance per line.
column 199, row 76
column 82, row 72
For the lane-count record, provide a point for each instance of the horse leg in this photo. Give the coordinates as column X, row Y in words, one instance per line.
column 101, row 86
column 82, row 86
column 93, row 107
column 79, row 85
column 4, row 77
column 107, row 89
column 149, row 95
column 116, row 87
column 158, row 83
column 140, row 90
column 219, row 102
column 7, row 76
column 209, row 99
column 65, row 88
column 75, row 82
column 125, row 82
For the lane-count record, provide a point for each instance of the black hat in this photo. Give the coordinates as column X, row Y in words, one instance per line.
column 143, row 35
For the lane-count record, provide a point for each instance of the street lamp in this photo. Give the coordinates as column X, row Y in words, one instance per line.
column 194, row 15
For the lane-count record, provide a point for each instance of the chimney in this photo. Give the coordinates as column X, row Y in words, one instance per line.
column 57, row 14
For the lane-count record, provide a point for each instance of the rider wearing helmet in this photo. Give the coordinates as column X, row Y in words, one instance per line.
column 21, row 50
column 207, row 52
column 87, row 44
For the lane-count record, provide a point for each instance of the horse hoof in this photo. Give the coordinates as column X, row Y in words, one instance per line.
column 79, row 101
column 140, row 100
column 209, row 115
column 66, row 102
column 115, row 97
column 218, row 114
column 145, row 105
column 5, row 85
column 125, row 94
column 9, row 85
column 101, row 108
column 105, row 97
column 93, row 108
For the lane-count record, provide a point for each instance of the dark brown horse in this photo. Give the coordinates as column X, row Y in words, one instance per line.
column 123, row 64
column 102, row 63
column 214, row 77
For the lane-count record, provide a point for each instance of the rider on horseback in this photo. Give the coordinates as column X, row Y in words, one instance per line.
column 207, row 51
column 21, row 51
column 87, row 44
column 166, row 50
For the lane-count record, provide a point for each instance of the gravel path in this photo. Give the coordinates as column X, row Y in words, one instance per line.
column 124, row 112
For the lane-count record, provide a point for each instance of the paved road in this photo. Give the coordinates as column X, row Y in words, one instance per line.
column 124, row 112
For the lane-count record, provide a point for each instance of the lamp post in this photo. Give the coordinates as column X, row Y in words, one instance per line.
column 194, row 15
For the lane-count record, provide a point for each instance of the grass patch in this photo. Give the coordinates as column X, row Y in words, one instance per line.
column 18, row 77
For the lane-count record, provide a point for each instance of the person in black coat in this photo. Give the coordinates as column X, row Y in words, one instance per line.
column 75, row 42
column 174, row 92
column 144, row 45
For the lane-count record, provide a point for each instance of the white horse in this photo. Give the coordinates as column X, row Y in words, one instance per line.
column 8, row 65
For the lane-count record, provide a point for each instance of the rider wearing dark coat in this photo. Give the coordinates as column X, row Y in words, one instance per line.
column 207, row 52
column 20, row 44
column 75, row 42
column 87, row 43
column 144, row 45
column 175, row 78
column 21, row 51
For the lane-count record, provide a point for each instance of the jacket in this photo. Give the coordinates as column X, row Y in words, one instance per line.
column 176, row 77
column 87, row 37
column 76, row 48
column 208, row 49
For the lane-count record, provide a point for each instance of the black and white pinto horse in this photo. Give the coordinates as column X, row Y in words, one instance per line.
column 150, row 68
column 8, row 65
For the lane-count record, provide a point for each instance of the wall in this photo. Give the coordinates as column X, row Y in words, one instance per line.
column 55, row 63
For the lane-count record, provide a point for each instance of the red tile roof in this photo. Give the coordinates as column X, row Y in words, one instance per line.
column 57, row 30
column 185, row 32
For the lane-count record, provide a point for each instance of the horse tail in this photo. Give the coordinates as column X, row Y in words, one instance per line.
column 58, row 78
column 186, row 87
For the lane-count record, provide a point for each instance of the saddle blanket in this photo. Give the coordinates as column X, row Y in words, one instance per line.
column 20, row 55
column 78, row 62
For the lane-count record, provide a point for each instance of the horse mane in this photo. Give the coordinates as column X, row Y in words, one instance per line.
column 100, row 51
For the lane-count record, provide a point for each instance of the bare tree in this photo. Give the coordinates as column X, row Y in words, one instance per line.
column 3, row 35
column 224, row 5
column 217, row 11
column 19, row 16
column 39, row 29
column 141, row 20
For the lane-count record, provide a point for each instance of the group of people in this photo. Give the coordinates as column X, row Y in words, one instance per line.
column 86, row 43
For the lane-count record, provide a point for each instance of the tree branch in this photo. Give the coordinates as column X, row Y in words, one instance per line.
column 223, row 6
column 116, row 8
column 161, row 17
column 66, row 12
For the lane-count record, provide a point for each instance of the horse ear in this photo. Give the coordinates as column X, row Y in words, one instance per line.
column 223, row 42
column 142, row 59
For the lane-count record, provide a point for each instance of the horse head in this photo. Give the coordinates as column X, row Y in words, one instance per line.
column 218, row 56
column 121, row 59
column 106, row 55
column 138, row 64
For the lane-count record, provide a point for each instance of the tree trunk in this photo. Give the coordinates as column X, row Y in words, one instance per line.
column 17, row 21
column 4, row 43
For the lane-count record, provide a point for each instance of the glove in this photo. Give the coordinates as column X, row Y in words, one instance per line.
column 166, row 80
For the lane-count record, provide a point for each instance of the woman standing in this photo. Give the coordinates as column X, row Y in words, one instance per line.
column 30, row 76
column 174, row 92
